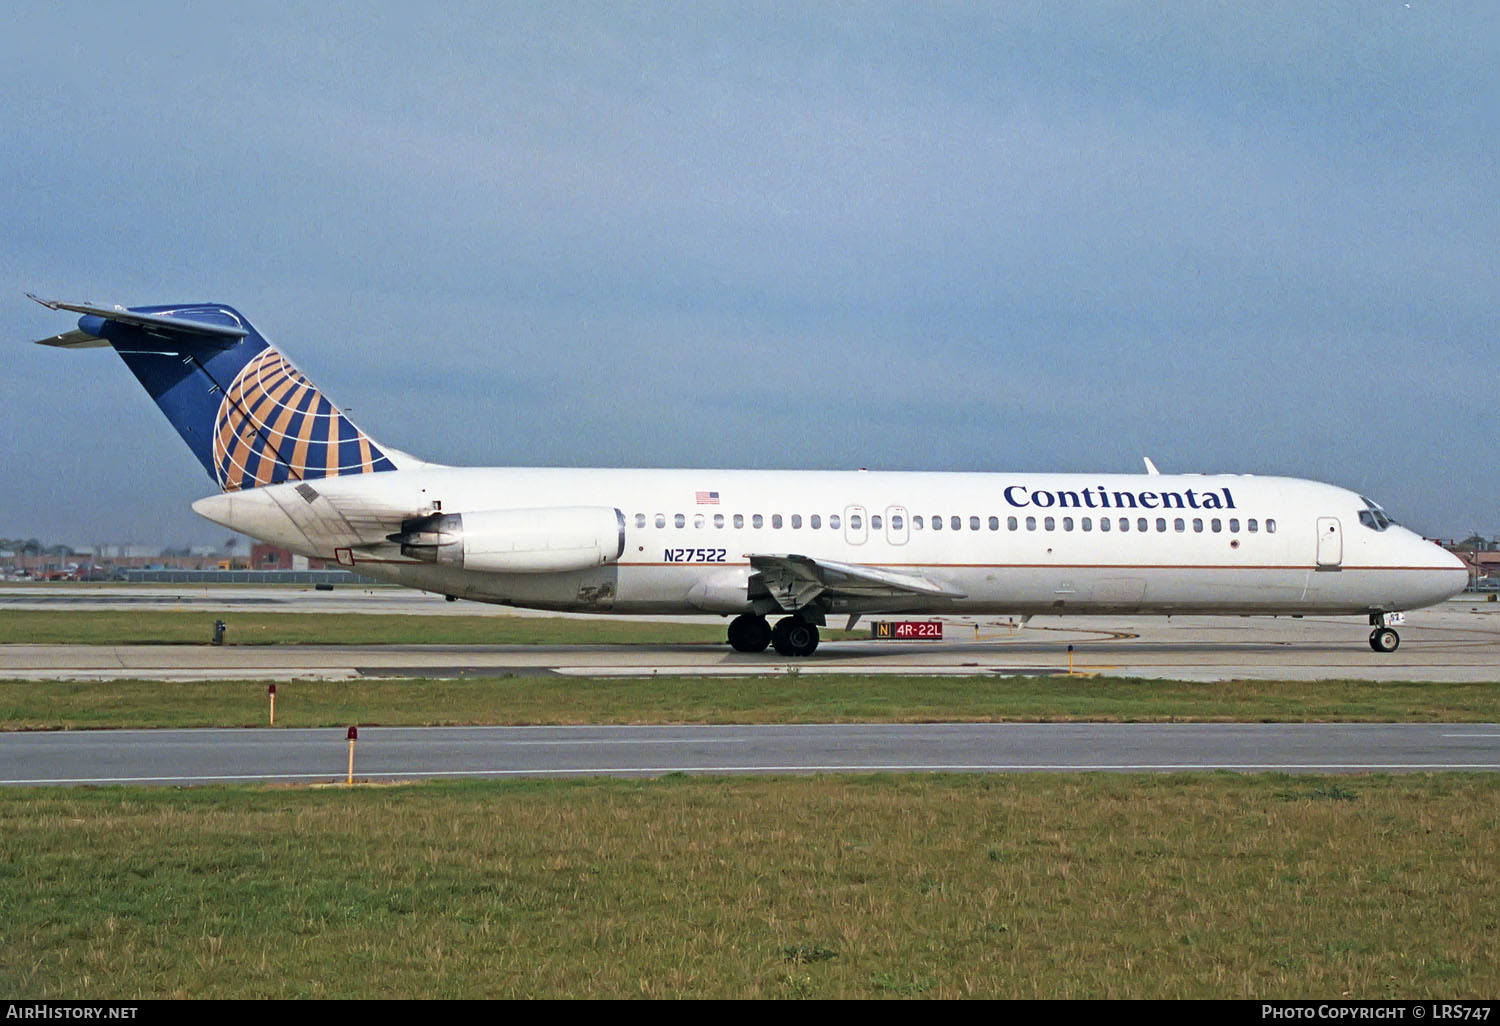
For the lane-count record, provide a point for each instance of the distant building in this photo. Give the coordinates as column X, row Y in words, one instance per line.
column 1484, row 566
column 272, row 557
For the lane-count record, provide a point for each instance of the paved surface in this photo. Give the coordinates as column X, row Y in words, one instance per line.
column 1456, row 642
column 404, row 753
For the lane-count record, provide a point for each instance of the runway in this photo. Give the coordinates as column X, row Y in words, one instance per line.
column 1459, row 641
column 197, row 757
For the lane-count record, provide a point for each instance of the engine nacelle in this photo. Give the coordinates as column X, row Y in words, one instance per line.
column 552, row 539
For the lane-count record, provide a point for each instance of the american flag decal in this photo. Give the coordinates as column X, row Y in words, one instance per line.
column 708, row 498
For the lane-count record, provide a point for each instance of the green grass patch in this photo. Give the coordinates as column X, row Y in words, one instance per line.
column 196, row 627
column 785, row 698
column 1047, row 886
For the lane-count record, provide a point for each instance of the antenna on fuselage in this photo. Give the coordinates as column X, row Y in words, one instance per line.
column 1151, row 467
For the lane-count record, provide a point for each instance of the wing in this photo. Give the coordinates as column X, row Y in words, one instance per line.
column 798, row 581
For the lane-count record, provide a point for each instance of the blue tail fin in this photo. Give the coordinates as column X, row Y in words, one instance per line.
column 249, row 416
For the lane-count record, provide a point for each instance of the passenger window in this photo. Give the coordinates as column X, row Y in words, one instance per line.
column 1270, row 526
column 833, row 521
column 1161, row 524
column 1104, row 523
column 640, row 520
column 916, row 523
column 776, row 521
column 1144, row 525
column 757, row 521
column 679, row 520
column 1087, row 523
column 875, row 521
column 698, row 520
column 739, row 520
column 956, row 523
column 1067, row 523
column 1234, row 525
column 1049, row 523
column 1010, row 523
column 937, row 523
column 856, row 521
column 1031, row 523
column 796, row 521
column 994, row 523
column 719, row 520
column 815, row 522
column 1253, row 525
column 973, row 523
column 896, row 521
column 1198, row 524
column 1179, row 525
column 661, row 520
column 1216, row 525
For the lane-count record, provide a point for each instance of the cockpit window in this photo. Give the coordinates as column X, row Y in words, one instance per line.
column 1373, row 517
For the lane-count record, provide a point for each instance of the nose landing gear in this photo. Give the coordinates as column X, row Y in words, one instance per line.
column 1382, row 638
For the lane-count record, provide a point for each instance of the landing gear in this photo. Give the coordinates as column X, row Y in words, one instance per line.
column 794, row 636
column 1382, row 638
column 749, row 633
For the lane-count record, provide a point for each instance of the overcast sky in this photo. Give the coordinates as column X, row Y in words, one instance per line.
column 1012, row 237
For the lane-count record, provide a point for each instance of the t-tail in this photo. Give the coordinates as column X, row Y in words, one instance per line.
column 249, row 416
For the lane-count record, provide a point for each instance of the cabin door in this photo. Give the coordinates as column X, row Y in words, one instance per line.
column 1330, row 544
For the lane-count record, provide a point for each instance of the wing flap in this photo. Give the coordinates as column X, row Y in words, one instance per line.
column 796, row 581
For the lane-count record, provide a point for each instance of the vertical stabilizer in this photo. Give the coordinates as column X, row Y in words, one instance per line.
column 249, row 416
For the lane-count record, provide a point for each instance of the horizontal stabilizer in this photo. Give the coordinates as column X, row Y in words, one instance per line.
column 73, row 340
column 167, row 327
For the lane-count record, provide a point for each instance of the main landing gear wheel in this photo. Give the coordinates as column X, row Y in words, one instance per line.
column 1383, row 639
column 794, row 636
column 749, row 633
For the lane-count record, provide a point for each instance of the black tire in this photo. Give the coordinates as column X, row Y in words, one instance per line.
column 794, row 636
column 1384, row 640
column 749, row 633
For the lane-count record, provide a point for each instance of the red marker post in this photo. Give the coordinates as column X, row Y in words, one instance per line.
column 353, row 737
column 273, row 704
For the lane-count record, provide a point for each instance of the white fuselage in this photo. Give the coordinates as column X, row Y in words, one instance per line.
column 999, row 543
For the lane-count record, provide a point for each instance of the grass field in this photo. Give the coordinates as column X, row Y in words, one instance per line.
column 195, row 627
column 1041, row 886
column 789, row 698
column 1062, row 886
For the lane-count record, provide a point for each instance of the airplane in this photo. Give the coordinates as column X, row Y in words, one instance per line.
column 757, row 545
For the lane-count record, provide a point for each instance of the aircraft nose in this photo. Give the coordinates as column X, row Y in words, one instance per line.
column 1451, row 576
